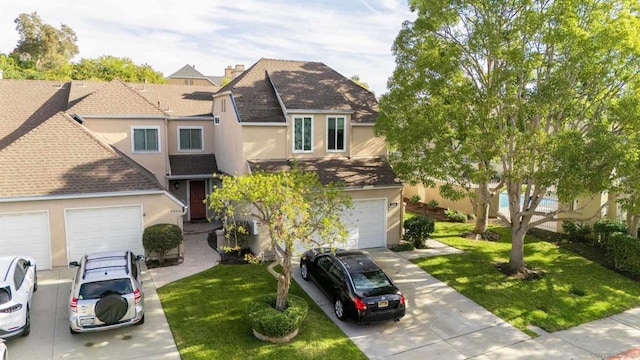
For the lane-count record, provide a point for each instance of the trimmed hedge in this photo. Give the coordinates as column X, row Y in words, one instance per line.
column 604, row 228
column 161, row 238
column 418, row 229
column 624, row 251
column 576, row 231
column 268, row 321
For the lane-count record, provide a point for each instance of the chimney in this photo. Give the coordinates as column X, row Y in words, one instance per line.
column 238, row 70
column 228, row 72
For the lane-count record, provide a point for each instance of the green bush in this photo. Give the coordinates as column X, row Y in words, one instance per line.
column 624, row 251
column 161, row 238
column 403, row 246
column 433, row 203
column 604, row 228
column 417, row 230
column 268, row 321
column 415, row 198
column 576, row 231
column 455, row 216
column 237, row 235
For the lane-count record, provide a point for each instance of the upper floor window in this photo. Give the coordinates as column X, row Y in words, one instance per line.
column 146, row 139
column 223, row 105
column 190, row 138
column 302, row 133
column 335, row 133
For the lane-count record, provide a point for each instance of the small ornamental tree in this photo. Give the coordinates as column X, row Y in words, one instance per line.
column 295, row 207
column 161, row 238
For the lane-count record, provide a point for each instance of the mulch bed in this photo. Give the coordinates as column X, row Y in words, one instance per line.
column 436, row 213
column 152, row 264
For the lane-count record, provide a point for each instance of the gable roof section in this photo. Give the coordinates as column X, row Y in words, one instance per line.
column 191, row 165
column 351, row 173
column 61, row 157
column 26, row 104
column 187, row 71
column 254, row 96
column 301, row 85
column 115, row 98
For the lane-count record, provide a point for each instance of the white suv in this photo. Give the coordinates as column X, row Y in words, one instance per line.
column 106, row 292
column 18, row 282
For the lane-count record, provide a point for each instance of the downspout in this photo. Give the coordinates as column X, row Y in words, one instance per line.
column 166, row 155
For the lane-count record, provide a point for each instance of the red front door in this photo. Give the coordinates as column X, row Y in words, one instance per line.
column 197, row 207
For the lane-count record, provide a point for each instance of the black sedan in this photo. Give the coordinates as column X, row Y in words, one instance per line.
column 356, row 285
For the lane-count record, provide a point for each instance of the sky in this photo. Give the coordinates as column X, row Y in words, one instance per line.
column 354, row 37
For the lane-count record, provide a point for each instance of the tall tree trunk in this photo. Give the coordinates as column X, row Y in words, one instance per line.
column 482, row 209
column 285, row 280
column 516, row 256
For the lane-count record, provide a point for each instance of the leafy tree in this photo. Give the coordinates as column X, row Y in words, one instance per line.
column 294, row 206
column 356, row 79
column 43, row 44
column 110, row 67
column 519, row 89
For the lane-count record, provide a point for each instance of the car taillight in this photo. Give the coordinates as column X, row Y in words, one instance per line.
column 401, row 299
column 136, row 295
column 360, row 305
column 74, row 304
column 11, row 309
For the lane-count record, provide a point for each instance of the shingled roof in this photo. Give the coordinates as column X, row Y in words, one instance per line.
column 62, row 157
column 301, row 85
column 114, row 98
column 193, row 165
column 25, row 104
column 190, row 72
column 350, row 173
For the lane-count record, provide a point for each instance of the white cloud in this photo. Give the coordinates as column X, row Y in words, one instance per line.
column 351, row 37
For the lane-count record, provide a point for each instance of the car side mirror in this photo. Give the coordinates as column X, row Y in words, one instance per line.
column 74, row 264
column 139, row 257
column 27, row 264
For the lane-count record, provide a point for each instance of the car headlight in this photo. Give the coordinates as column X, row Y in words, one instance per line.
column 11, row 309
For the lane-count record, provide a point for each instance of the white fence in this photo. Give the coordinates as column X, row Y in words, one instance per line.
column 547, row 204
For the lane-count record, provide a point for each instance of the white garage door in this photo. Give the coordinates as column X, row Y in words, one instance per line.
column 27, row 234
column 103, row 229
column 367, row 224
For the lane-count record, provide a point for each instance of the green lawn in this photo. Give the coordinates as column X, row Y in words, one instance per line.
column 207, row 315
column 574, row 291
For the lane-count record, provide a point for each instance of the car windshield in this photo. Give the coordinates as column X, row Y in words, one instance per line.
column 5, row 295
column 99, row 289
column 370, row 280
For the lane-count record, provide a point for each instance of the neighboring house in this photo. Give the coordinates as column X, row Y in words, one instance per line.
column 279, row 111
column 188, row 75
column 86, row 166
column 64, row 191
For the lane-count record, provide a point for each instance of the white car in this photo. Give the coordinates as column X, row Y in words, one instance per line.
column 18, row 282
column 3, row 350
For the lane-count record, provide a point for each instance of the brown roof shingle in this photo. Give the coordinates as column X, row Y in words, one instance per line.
column 61, row 157
column 300, row 85
column 113, row 98
column 25, row 104
column 351, row 173
column 196, row 164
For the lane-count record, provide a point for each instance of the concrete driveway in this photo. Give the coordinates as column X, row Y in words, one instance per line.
column 50, row 337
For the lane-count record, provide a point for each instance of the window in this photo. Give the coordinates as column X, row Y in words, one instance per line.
column 216, row 120
column 302, row 133
column 223, row 105
column 335, row 133
column 190, row 138
column 146, row 140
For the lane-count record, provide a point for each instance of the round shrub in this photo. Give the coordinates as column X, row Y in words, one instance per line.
column 268, row 321
column 418, row 229
column 604, row 228
column 403, row 246
column 161, row 238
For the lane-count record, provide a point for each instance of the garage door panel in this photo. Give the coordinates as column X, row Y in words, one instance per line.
column 104, row 229
column 366, row 224
column 27, row 234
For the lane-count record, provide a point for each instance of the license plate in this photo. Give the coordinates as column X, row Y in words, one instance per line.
column 87, row 321
column 383, row 303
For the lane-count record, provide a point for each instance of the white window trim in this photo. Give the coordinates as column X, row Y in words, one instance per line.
column 201, row 128
column 133, row 141
column 216, row 120
column 344, row 140
column 293, row 134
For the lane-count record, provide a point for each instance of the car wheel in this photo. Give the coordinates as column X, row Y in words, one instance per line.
column 111, row 308
column 73, row 332
column 339, row 309
column 141, row 321
column 304, row 271
column 27, row 324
